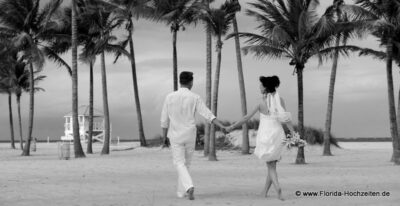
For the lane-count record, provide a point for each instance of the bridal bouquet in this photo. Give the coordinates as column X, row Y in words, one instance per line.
column 294, row 140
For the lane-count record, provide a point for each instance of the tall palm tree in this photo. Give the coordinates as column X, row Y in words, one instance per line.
column 98, row 17
column 328, row 122
column 343, row 13
column 89, row 148
column 176, row 14
column 219, row 21
column 86, row 39
column 208, row 80
column 127, row 10
column 6, row 88
column 22, row 84
column 75, row 122
column 387, row 28
column 292, row 29
column 245, row 130
column 30, row 27
column 6, row 85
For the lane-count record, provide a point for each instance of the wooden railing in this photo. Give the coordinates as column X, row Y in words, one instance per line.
column 97, row 126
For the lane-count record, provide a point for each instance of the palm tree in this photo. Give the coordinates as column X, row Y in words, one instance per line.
column 128, row 9
column 5, row 87
column 292, row 29
column 219, row 21
column 208, row 80
column 89, row 148
column 98, row 17
column 30, row 28
column 343, row 13
column 75, row 122
column 22, row 84
column 245, row 131
column 328, row 122
column 387, row 28
column 177, row 14
column 6, row 84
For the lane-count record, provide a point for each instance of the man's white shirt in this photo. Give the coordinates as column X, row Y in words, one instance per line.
column 178, row 115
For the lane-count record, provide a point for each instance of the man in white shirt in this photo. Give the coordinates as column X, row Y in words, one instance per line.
column 179, row 125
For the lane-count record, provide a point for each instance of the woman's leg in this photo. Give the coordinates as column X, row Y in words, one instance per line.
column 268, row 183
column 274, row 177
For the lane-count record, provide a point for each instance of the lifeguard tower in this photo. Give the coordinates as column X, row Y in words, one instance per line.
column 83, row 117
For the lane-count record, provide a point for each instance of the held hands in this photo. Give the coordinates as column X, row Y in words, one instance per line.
column 229, row 129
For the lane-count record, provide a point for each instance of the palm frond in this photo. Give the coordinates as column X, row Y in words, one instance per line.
column 53, row 55
column 345, row 51
column 113, row 49
column 262, row 51
column 380, row 55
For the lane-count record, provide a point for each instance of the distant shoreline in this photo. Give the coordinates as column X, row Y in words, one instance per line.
column 339, row 139
column 364, row 139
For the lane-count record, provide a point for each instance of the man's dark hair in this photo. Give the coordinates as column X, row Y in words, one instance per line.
column 185, row 77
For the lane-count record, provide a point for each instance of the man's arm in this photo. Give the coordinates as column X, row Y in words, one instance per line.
column 208, row 115
column 165, row 138
column 165, row 124
column 219, row 124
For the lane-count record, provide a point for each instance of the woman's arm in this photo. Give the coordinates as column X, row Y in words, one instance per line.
column 244, row 119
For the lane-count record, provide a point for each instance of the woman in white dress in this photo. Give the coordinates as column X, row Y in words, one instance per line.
column 270, row 135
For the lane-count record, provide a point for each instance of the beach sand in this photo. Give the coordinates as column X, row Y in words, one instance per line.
column 146, row 176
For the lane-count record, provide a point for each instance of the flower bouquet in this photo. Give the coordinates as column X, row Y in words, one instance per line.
column 294, row 140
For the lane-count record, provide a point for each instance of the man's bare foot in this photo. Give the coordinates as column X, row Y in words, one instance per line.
column 190, row 193
column 280, row 195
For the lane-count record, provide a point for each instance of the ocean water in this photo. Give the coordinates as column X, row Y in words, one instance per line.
column 366, row 145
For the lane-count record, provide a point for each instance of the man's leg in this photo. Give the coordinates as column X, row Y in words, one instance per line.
column 184, row 179
column 189, row 150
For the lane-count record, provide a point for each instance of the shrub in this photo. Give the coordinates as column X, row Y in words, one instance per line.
column 312, row 135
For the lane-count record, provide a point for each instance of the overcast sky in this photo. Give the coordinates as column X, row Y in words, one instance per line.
column 360, row 105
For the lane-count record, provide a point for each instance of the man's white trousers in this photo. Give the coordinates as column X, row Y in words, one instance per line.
column 182, row 156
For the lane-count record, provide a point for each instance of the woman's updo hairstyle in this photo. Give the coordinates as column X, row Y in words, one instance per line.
column 270, row 83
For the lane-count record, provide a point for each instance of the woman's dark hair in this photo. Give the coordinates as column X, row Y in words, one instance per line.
column 270, row 83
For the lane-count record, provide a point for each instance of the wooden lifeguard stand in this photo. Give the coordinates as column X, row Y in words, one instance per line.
column 83, row 117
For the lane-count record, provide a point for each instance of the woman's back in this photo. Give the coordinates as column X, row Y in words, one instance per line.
column 270, row 133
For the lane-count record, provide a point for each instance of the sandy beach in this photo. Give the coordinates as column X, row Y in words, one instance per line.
column 146, row 176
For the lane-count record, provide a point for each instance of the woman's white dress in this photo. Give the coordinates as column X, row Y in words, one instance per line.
column 270, row 135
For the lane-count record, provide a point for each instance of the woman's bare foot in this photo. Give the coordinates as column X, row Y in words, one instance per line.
column 280, row 195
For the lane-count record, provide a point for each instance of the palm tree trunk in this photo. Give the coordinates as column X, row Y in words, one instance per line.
column 175, row 60
column 106, row 145
column 245, row 130
column 11, row 120
column 142, row 137
column 27, row 146
column 212, row 156
column 300, row 159
column 89, row 149
column 21, row 141
column 328, row 121
column 397, row 118
column 208, row 85
column 75, row 123
column 392, row 110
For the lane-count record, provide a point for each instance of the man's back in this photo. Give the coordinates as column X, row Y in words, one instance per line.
column 178, row 115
